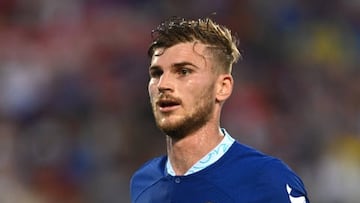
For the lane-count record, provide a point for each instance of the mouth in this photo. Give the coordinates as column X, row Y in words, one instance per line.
column 167, row 105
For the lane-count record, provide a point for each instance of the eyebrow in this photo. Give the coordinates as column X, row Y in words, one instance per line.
column 175, row 65
column 185, row 63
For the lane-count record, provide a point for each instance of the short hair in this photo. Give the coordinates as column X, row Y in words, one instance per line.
column 219, row 39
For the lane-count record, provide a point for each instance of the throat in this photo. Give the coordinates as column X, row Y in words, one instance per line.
column 182, row 159
column 185, row 153
column 178, row 168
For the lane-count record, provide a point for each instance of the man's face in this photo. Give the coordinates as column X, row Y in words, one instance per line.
column 181, row 88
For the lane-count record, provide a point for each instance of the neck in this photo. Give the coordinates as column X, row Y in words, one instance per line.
column 185, row 152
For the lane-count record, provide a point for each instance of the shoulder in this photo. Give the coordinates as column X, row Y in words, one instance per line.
column 280, row 179
column 250, row 157
column 272, row 177
column 281, row 183
column 147, row 175
column 261, row 162
column 242, row 160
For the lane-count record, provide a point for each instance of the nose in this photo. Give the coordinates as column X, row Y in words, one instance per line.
column 165, row 83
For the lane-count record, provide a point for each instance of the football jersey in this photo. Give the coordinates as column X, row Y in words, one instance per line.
column 241, row 175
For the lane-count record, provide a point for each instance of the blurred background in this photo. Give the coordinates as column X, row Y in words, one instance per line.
column 75, row 119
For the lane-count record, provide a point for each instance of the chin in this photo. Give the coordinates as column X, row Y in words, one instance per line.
column 174, row 133
column 173, row 130
column 181, row 129
column 179, row 126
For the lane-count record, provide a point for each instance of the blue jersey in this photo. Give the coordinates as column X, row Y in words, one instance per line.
column 241, row 175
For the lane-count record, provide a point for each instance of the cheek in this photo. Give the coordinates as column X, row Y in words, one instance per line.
column 203, row 94
column 151, row 88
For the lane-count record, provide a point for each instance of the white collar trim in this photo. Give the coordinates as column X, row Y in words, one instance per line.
column 209, row 158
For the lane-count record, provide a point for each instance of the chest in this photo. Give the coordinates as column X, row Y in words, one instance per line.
column 198, row 190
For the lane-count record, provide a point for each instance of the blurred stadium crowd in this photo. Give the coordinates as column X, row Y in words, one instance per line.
column 75, row 119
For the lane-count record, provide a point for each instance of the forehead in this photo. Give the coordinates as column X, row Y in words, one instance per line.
column 193, row 52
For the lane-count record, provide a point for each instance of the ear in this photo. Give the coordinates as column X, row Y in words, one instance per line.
column 224, row 87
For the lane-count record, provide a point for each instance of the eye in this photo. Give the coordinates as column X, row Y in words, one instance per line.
column 184, row 71
column 155, row 72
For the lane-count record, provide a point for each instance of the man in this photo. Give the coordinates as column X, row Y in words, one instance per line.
column 190, row 79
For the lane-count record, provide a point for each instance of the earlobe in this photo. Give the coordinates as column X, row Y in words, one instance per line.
column 224, row 87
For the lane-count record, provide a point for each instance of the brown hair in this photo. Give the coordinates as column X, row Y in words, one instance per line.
column 222, row 43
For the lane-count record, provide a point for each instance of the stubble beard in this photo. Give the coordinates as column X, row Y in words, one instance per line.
column 179, row 129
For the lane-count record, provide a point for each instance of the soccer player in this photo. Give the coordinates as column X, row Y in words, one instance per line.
column 190, row 79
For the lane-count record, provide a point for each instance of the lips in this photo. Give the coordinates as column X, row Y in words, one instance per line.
column 168, row 104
